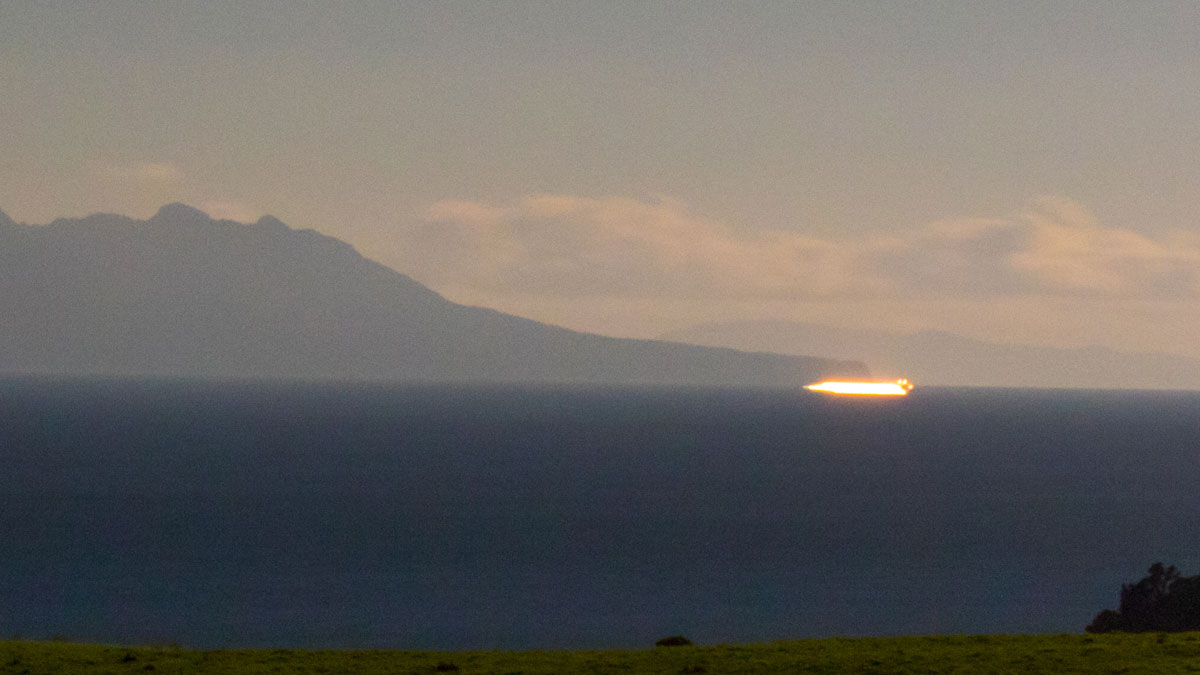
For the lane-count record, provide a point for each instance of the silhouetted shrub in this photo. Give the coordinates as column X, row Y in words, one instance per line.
column 1164, row 601
column 445, row 667
column 1106, row 621
column 673, row 641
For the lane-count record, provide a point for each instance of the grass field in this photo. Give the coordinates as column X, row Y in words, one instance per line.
column 1112, row 653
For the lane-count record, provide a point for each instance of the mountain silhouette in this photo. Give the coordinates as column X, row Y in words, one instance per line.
column 182, row 294
column 939, row 358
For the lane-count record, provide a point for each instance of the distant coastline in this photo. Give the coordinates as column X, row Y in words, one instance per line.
column 934, row 358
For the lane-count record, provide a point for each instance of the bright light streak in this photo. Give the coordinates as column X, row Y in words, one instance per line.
column 898, row 388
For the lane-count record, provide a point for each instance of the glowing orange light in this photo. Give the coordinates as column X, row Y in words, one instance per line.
column 900, row 387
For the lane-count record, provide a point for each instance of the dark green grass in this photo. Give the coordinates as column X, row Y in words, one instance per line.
column 1112, row 653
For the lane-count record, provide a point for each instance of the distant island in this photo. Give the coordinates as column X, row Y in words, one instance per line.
column 939, row 358
column 182, row 294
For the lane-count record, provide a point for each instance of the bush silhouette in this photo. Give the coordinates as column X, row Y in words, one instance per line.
column 1164, row 601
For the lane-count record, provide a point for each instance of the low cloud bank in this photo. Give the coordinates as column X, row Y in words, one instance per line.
column 570, row 246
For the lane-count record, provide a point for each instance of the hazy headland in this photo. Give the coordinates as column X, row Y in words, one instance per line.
column 184, row 295
column 944, row 359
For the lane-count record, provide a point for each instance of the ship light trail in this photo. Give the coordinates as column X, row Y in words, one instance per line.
column 900, row 387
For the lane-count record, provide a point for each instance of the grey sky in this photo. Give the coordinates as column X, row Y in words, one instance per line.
column 1024, row 171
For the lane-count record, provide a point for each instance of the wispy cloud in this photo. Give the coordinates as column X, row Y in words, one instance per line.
column 163, row 173
column 1068, row 250
column 636, row 248
column 574, row 246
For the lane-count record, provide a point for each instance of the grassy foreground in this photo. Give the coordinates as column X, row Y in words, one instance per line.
column 1111, row 653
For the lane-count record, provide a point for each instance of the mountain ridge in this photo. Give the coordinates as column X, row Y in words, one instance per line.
column 182, row 294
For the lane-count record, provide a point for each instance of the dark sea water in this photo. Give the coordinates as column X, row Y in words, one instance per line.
column 225, row 514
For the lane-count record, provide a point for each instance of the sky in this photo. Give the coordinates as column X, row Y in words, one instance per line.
column 1014, row 171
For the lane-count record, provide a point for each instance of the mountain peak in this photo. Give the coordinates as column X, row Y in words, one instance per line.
column 5, row 221
column 180, row 213
column 272, row 222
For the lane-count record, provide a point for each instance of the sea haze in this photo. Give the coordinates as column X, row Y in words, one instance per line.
column 353, row 515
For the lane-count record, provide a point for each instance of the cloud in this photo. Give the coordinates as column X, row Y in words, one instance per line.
column 162, row 173
column 570, row 246
column 635, row 248
column 1069, row 250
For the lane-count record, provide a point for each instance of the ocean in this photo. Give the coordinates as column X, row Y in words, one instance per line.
column 227, row 514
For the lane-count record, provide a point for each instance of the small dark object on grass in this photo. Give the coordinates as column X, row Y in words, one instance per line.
column 673, row 641
column 128, row 658
column 692, row 670
column 445, row 667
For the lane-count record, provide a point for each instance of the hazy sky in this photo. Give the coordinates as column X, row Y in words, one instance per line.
column 1025, row 171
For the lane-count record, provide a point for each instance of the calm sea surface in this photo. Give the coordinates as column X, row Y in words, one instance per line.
column 219, row 514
